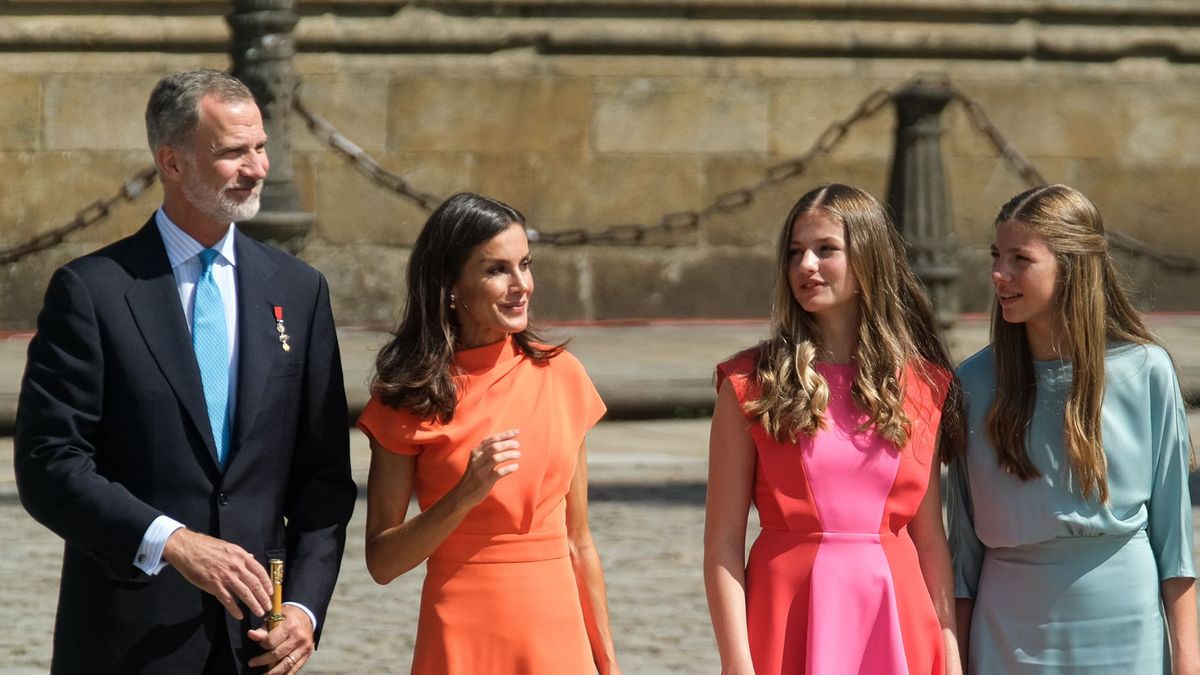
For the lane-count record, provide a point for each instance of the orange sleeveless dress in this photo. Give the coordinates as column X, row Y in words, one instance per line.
column 500, row 595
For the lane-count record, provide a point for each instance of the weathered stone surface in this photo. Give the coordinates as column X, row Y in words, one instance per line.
column 1161, row 126
column 558, row 285
column 354, row 102
column 1055, row 118
column 681, row 283
column 759, row 223
column 578, row 138
column 681, row 115
column 40, row 191
column 20, row 112
column 558, row 192
column 23, row 284
column 350, row 208
column 801, row 110
column 366, row 281
column 1155, row 203
column 492, row 115
column 978, row 186
column 1154, row 287
column 97, row 113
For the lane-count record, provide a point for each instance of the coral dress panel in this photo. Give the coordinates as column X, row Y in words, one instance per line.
column 833, row 582
column 1061, row 583
column 500, row 595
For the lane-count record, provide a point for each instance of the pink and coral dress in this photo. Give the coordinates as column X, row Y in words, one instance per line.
column 833, row 583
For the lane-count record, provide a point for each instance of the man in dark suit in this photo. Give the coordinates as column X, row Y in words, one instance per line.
column 182, row 419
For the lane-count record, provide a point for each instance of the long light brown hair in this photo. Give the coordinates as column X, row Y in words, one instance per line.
column 897, row 332
column 1090, row 309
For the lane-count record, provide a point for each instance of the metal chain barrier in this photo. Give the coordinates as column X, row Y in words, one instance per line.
column 1033, row 178
column 89, row 215
column 343, row 146
column 734, row 200
column 626, row 234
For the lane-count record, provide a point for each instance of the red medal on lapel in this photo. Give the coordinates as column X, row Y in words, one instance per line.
column 281, row 329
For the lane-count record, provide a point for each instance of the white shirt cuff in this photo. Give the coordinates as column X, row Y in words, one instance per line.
column 311, row 616
column 149, row 554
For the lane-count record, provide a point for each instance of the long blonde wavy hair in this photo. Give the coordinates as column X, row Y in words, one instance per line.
column 897, row 332
column 1091, row 309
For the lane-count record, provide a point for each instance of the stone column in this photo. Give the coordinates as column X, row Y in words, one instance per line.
column 919, row 197
column 262, row 49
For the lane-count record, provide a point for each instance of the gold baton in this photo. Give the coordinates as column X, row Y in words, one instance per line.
column 276, row 616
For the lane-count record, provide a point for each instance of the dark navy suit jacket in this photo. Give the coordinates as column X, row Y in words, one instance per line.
column 112, row 431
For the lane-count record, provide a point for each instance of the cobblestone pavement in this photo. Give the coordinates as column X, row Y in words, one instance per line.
column 647, row 516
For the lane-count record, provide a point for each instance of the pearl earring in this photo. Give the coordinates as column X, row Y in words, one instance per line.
column 451, row 301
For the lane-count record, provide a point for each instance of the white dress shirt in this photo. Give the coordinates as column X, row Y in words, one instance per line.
column 183, row 253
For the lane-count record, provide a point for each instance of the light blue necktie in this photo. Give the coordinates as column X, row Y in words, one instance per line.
column 210, row 340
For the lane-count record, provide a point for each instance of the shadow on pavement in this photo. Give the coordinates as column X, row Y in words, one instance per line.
column 672, row 493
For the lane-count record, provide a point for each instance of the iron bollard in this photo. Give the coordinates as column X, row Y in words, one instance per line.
column 918, row 194
column 262, row 49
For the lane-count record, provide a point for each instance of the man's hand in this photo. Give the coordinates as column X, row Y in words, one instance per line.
column 287, row 648
column 225, row 571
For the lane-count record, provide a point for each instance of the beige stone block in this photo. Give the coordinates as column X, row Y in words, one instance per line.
column 1154, row 203
column 23, row 284
column 682, row 283
column 1155, row 288
column 101, row 64
column 366, row 281
column 759, row 222
column 355, row 103
column 97, row 113
column 560, row 192
column 974, row 281
column 1054, row 119
column 515, row 179
column 20, row 112
column 803, row 109
column 43, row 191
column 351, row 208
column 488, row 115
column 681, row 115
column 557, row 285
column 978, row 187
column 962, row 135
column 1162, row 124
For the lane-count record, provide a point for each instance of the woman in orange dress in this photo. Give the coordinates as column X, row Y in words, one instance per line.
column 485, row 424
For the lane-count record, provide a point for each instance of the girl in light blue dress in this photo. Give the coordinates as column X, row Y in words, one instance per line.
column 1070, row 519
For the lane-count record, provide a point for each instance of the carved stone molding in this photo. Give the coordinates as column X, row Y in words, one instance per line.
column 1006, row 30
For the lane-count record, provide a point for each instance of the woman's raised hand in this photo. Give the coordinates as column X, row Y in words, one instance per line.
column 492, row 460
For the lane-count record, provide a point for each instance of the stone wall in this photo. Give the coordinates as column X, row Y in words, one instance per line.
column 589, row 113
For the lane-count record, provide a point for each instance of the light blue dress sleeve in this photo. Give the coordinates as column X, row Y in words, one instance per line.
column 1169, row 525
column 966, row 550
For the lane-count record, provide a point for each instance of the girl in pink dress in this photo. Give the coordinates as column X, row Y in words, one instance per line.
column 830, row 427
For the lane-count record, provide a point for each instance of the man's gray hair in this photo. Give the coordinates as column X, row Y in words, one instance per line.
column 174, row 108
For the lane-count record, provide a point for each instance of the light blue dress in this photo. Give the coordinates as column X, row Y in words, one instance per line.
column 1062, row 584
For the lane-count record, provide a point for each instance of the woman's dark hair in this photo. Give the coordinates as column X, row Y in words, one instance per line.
column 416, row 370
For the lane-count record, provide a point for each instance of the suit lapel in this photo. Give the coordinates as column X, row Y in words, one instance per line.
column 258, row 343
column 153, row 300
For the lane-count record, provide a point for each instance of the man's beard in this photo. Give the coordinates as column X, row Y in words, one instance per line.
column 218, row 205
